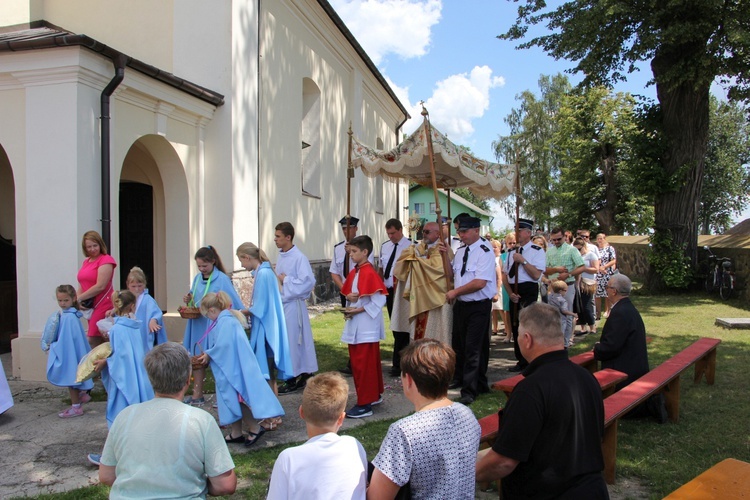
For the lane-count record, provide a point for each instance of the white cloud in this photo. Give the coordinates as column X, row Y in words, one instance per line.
column 455, row 102
column 382, row 27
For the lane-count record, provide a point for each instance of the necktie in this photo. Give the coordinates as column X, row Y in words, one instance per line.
column 512, row 272
column 346, row 262
column 390, row 262
column 463, row 265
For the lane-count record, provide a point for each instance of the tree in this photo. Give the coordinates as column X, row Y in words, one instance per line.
column 593, row 137
column 689, row 43
column 727, row 173
column 530, row 144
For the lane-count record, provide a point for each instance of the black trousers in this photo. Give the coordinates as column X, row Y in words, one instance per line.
column 529, row 293
column 400, row 339
column 471, row 341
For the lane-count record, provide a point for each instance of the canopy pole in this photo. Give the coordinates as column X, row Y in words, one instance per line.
column 517, row 189
column 438, row 211
column 349, row 177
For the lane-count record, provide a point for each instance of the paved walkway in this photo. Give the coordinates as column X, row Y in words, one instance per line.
column 42, row 453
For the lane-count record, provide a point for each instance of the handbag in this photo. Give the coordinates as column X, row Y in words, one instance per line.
column 89, row 306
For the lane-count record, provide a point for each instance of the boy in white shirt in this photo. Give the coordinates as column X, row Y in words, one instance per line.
column 327, row 465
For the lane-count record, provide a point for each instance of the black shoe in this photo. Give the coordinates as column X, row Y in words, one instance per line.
column 395, row 372
column 515, row 368
column 465, row 400
column 581, row 333
column 302, row 380
column 454, row 385
column 346, row 371
column 288, row 386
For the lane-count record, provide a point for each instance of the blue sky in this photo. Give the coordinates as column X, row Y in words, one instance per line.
column 447, row 54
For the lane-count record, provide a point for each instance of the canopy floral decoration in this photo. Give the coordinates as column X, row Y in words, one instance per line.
column 454, row 166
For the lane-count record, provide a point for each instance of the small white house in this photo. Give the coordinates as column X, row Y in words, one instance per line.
column 170, row 125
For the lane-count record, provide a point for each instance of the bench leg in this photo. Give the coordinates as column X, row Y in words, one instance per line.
column 609, row 450
column 672, row 399
column 706, row 365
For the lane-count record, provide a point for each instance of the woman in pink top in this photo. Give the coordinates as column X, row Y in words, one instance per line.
column 95, row 282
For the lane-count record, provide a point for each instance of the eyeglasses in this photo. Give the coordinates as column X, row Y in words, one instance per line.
column 584, row 236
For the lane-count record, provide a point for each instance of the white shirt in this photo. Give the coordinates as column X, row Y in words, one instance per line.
column 337, row 262
column 480, row 264
column 386, row 249
column 325, row 467
column 534, row 255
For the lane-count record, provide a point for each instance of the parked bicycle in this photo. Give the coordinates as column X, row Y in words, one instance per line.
column 720, row 275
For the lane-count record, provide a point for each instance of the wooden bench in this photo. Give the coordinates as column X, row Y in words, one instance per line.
column 729, row 478
column 664, row 378
column 607, row 378
column 586, row 360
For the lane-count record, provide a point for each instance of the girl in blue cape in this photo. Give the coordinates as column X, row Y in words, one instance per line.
column 123, row 372
column 67, row 350
column 211, row 278
column 242, row 392
column 268, row 335
column 147, row 311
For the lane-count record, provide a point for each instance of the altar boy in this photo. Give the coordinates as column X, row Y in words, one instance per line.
column 365, row 295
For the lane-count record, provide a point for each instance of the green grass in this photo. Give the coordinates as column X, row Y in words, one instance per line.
column 713, row 425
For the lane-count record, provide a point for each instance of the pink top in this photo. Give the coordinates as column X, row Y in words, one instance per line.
column 103, row 302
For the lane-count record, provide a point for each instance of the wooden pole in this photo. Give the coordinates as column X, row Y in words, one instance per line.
column 438, row 211
column 518, row 215
column 349, row 177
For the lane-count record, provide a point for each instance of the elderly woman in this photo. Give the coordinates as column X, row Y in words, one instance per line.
column 434, row 449
column 607, row 267
column 95, row 282
column 163, row 448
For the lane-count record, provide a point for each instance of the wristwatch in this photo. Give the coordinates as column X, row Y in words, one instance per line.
column 524, row 262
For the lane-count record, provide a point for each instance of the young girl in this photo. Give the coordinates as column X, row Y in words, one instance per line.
column 67, row 351
column 210, row 278
column 557, row 298
column 147, row 311
column 123, row 373
column 239, row 383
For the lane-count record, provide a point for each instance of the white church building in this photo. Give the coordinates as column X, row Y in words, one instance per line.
column 169, row 125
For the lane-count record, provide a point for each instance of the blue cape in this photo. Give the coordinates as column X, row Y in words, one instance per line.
column 197, row 327
column 65, row 353
column 148, row 310
column 269, row 325
column 125, row 377
column 237, row 373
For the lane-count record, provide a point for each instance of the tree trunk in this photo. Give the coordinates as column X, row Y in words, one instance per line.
column 605, row 216
column 685, row 112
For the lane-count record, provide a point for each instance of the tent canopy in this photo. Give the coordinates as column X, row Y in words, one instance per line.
column 454, row 167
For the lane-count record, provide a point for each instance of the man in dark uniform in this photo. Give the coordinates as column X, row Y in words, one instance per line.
column 549, row 444
column 390, row 251
column 475, row 283
column 525, row 264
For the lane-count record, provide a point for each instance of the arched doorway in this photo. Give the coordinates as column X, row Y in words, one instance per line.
column 153, row 217
column 8, row 284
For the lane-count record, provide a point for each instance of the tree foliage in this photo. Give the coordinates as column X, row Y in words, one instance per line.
column 727, row 171
column 573, row 149
column 530, row 145
column 596, row 188
column 689, row 44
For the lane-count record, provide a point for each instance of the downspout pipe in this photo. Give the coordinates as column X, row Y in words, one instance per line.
column 119, row 61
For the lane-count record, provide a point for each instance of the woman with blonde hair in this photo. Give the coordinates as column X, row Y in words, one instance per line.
column 607, row 267
column 240, row 385
column 268, row 335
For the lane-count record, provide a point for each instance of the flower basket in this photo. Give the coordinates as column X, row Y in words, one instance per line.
column 189, row 312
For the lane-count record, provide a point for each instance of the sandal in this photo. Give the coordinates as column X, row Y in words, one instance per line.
column 253, row 437
column 229, row 439
column 270, row 424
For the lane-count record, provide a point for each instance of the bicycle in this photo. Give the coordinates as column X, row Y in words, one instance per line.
column 720, row 275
